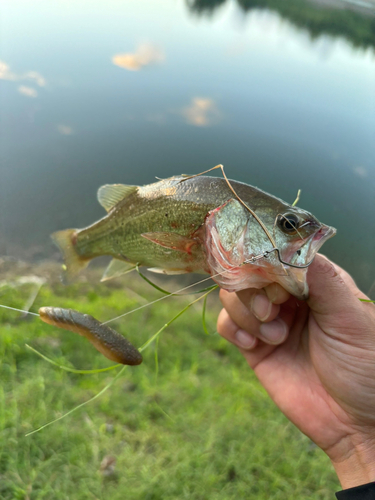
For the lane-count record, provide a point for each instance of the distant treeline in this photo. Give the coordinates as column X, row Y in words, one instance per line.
column 358, row 28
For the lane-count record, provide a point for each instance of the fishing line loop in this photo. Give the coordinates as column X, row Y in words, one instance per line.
column 266, row 254
column 252, row 260
column 260, row 222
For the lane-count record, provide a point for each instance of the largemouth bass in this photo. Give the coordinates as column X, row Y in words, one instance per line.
column 197, row 224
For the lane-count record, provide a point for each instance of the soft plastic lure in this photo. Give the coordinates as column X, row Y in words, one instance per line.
column 106, row 340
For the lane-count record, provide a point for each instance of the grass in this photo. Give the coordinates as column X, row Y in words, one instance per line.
column 199, row 427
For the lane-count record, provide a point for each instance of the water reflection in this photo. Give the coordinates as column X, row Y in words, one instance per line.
column 361, row 171
column 64, row 129
column 27, row 91
column 278, row 109
column 353, row 20
column 145, row 55
column 201, row 112
column 7, row 74
column 204, row 6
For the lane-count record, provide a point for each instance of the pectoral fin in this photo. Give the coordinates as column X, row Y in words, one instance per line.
column 173, row 241
column 116, row 268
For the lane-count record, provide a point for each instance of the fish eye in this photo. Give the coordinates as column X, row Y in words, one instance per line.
column 288, row 223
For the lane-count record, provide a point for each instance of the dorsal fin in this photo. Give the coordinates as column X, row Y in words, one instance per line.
column 110, row 194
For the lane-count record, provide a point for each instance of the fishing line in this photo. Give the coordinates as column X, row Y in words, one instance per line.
column 252, row 260
column 165, row 297
column 133, row 310
column 118, row 375
column 260, row 222
column 258, row 219
column 19, row 310
column 248, row 261
column 156, row 300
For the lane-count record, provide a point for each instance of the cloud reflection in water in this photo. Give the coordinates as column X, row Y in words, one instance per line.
column 27, row 91
column 34, row 76
column 145, row 55
column 64, row 129
column 201, row 112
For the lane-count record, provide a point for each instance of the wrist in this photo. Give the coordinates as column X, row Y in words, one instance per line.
column 358, row 466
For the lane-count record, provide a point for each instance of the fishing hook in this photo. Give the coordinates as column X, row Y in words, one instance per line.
column 266, row 254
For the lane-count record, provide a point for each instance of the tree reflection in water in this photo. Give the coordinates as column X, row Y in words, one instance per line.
column 356, row 24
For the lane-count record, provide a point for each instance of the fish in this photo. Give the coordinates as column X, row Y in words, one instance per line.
column 240, row 235
column 106, row 340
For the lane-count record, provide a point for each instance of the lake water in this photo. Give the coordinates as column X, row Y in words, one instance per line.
column 97, row 92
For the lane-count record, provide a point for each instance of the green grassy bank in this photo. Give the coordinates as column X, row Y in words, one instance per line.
column 201, row 427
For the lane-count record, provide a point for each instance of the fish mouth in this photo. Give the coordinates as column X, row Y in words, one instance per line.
column 324, row 232
column 306, row 253
column 319, row 238
column 296, row 281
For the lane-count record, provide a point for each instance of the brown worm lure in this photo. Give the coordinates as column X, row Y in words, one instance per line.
column 106, row 340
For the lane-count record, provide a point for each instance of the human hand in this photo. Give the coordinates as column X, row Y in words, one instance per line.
column 316, row 359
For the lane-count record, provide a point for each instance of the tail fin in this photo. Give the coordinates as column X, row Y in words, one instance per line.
column 65, row 240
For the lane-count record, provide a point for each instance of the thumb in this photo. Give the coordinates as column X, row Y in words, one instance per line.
column 334, row 296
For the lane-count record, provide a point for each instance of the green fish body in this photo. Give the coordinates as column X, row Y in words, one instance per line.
column 197, row 224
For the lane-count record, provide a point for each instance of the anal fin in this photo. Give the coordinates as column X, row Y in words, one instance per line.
column 116, row 268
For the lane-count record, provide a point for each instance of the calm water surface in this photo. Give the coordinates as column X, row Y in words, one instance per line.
column 97, row 92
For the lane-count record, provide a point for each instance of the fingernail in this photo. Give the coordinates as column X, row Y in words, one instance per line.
column 274, row 332
column 244, row 339
column 271, row 291
column 261, row 306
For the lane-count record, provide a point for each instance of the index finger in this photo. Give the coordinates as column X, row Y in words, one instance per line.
column 276, row 294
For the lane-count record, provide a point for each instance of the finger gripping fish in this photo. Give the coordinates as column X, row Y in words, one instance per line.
column 200, row 224
column 106, row 340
